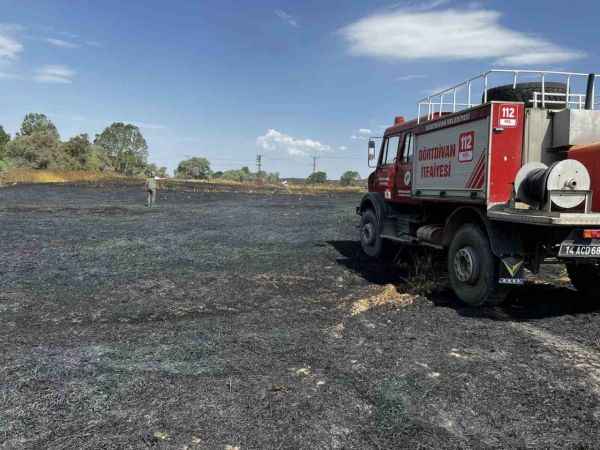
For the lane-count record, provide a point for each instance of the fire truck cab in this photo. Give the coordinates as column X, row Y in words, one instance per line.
column 501, row 177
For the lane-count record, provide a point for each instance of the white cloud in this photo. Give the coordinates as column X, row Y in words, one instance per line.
column 287, row 18
column 361, row 133
column 342, row 147
column 411, row 77
column 10, row 47
column 275, row 141
column 54, row 74
column 449, row 34
column 61, row 43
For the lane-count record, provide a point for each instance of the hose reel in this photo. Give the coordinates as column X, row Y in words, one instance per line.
column 565, row 183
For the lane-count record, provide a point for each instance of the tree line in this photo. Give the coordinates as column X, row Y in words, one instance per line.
column 120, row 148
column 199, row 168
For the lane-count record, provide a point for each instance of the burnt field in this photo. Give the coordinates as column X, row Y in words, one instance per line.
column 223, row 320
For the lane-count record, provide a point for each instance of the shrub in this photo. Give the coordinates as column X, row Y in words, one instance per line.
column 193, row 168
column 349, row 178
column 317, row 178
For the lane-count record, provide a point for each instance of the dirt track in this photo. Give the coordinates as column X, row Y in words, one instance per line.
column 225, row 319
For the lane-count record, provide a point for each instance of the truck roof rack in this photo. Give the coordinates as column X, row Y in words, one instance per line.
column 474, row 91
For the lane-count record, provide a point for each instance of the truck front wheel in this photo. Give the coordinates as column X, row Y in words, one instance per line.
column 585, row 278
column 370, row 234
column 472, row 267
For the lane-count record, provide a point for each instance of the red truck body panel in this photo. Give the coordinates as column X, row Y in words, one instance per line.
column 470, row 156
column 506, row 149
column 589, row 156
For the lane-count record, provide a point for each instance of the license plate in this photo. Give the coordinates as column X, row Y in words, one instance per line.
column 579, row 251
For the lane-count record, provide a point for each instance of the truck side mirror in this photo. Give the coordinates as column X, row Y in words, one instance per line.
column 371, row 150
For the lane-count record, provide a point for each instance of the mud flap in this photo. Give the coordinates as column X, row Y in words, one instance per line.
column 505, row 239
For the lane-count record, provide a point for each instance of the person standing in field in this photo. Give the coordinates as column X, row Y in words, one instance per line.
column 151, row 188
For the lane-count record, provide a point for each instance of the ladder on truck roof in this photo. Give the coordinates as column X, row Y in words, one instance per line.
column 462, row 95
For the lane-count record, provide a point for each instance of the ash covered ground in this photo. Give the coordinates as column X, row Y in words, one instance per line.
column 252, row 321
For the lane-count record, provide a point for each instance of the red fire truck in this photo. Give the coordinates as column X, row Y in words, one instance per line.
column 501, row 174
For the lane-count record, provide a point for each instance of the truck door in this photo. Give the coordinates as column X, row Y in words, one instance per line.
column 404, row 174
column 386, row 166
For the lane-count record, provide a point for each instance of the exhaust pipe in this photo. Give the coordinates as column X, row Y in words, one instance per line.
column 589, row 93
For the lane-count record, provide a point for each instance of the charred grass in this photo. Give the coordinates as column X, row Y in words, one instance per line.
column 237, row 319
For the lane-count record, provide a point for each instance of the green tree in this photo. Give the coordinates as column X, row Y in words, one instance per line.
column 154, row 170
column 125, row 147
column 349, row 178
column 86, row 155
column 38, row 123
column 317, row 178
column 242, row 175
column 78, row 148
column 4, row 139
column 272, row 177
column 40, row 150
column 234, row 175
column 97, row 160
column 193, row 168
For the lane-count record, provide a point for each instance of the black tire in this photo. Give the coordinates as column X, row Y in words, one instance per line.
column 479, row 285
column 370, row 234
column 523, row 92
column 585, row 278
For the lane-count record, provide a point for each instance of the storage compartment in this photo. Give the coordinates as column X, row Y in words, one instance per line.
column 575, row 127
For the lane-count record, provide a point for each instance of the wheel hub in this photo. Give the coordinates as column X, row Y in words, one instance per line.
column 466, row 265
column 368, row 233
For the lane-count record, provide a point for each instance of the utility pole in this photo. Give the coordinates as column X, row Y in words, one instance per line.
column 258, row 163
column 315, row 163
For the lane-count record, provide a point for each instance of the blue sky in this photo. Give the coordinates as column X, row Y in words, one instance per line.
column 288, row 79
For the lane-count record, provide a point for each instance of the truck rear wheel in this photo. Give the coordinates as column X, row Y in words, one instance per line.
column 585, row 278
column 472, row 267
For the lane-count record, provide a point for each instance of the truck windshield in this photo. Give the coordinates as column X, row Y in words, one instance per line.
column 390, row 150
